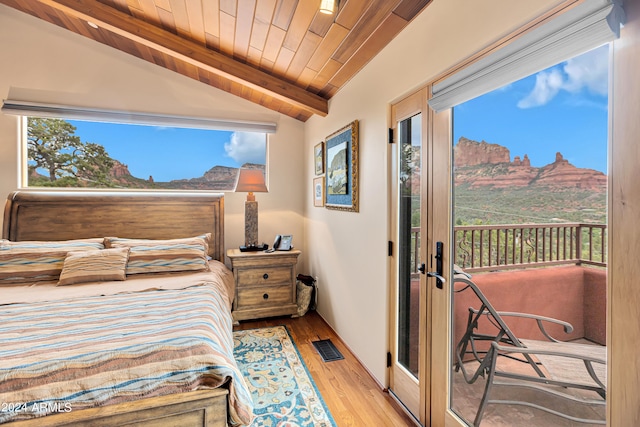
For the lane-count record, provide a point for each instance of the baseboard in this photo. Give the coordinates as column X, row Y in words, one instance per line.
column 373, row 377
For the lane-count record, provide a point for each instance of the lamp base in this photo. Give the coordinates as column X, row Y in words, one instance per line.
column 250, row 223
column 254, row 248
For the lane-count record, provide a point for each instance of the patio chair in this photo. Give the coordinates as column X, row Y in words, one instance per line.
column 556, row 367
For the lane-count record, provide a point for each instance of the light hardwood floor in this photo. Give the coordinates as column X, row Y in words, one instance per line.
column 351, row 394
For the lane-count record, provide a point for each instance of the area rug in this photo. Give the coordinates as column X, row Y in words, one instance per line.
column 283, row 392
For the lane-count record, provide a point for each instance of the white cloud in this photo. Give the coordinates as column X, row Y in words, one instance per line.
column 247, row 147
column 548, row 84
column 588, row 71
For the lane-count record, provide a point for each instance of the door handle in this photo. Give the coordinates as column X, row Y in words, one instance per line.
column 439, row 267
column 423, row 269
column 439, row 279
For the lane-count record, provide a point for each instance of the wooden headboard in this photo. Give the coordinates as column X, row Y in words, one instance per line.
column 48, row 215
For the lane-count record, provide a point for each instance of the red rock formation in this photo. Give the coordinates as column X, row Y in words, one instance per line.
column 220, row 174
column 479, row 164
column 524, row 162
column 219, row 177
column 119, row 170
column 470, row 153
column 561, row 173
column 503, row 175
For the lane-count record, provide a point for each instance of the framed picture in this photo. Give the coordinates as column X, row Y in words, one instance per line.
column 318, row 158
column 341, row 178
column 318, row 191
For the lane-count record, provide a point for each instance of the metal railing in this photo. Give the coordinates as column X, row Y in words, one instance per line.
column 501, row 247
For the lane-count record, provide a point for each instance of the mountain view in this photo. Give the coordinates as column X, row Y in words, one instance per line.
column 490, row 187
column 219, row 178
column 60, row 154
column 493, row 188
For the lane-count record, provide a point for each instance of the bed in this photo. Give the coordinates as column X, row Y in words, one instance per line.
column 146, row 343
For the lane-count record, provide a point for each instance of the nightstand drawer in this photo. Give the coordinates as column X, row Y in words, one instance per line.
column 265, row 295
column 264, row 276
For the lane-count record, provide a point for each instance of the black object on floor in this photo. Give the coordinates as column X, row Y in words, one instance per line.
column 327, row 350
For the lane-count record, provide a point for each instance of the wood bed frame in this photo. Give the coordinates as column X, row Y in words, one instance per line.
column 40, row 215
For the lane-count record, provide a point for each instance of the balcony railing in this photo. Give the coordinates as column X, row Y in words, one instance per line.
column 501, row 247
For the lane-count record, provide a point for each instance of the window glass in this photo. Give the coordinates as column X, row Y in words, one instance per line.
column 73, row 153
column 530, row 216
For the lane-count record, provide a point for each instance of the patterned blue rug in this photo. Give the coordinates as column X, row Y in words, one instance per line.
column 283, row 392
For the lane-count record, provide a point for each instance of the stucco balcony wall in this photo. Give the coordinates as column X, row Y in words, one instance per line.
column 575, row 294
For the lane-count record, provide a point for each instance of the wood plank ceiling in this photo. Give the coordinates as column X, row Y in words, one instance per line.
column 282, row 54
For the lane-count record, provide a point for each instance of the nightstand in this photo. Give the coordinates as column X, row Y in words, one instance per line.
column 265, row 283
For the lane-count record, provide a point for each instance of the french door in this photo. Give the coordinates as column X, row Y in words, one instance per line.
column 408, row 379
column 419, row 223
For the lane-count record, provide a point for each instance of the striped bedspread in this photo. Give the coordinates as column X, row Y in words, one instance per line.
column 72, row 354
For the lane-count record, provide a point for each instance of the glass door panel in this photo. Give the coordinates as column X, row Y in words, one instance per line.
column 410, row 154
column 530, row 215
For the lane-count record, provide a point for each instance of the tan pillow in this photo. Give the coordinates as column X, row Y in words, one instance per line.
column 94, row 266
column 164, row 256
column 33, row 261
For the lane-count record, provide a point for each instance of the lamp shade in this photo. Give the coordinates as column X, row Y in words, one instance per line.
column 250, row 180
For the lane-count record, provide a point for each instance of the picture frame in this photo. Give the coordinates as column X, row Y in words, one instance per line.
column 318, row 191
column 318, row 158
column 341, row 165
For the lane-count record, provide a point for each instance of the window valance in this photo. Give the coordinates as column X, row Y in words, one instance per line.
column 26, row 108
column 578, row 30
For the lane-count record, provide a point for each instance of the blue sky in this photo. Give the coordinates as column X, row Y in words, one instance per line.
column 563, row 108
column 173, row 153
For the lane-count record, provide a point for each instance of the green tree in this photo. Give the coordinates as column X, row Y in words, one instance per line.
column 53, row 146
column 93, row 164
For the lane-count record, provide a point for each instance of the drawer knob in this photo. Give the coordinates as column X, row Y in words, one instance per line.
column 265, row 296
column 265, row 276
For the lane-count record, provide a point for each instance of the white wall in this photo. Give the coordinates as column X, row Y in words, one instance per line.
column 348, row 251
column 45, row 63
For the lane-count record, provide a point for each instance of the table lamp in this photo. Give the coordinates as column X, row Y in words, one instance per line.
column 251, row 180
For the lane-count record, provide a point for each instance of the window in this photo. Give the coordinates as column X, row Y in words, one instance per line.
column 94, row 154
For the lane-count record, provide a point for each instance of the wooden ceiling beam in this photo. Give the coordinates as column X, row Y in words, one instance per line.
column 190, row 52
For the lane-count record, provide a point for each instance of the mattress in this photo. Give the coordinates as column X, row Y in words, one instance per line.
column 74, row 347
